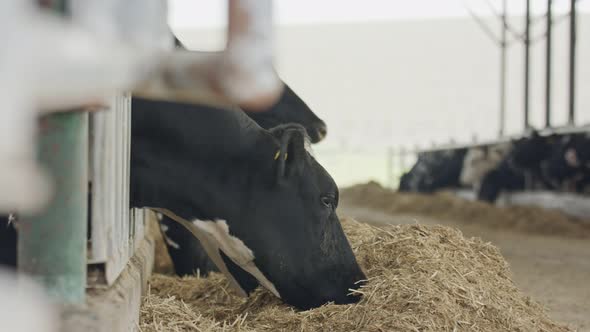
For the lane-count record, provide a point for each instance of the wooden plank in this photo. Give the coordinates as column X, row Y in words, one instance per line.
column 120, row 252
column 98, row 244
column 117, row 230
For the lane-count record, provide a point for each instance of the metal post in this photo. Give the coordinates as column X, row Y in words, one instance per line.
column 503, row 50
column 572, row 64
column 527, row 44
column 52, row 246
column 548, row 66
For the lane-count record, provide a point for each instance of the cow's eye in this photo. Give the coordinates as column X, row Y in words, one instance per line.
column 328, row 201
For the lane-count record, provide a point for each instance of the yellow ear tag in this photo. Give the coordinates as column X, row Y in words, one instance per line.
column 277, row 154
column 286, row 154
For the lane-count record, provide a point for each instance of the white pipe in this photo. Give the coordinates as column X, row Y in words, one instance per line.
column 247, row 74
column 243, row 74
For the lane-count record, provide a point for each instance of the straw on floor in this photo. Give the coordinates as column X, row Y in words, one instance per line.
column 421, row 278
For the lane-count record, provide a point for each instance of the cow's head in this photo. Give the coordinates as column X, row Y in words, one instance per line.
column 291, row 109
column 267, row 205
column 293, row 228
column 577, row 151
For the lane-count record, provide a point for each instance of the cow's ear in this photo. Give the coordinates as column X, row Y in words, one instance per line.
column 291, row 155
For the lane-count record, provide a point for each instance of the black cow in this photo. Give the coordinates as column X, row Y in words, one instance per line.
column 258, row 193
column 434, row 171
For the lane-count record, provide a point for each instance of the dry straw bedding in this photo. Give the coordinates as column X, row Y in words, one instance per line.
column 421, row 278
column 445, row 205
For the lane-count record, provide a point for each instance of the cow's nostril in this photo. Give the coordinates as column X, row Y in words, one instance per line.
column 322, row 131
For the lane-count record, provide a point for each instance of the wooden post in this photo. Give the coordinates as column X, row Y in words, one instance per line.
column 52, row 246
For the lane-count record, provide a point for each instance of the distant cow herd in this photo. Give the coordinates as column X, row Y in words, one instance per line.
column 557, row 162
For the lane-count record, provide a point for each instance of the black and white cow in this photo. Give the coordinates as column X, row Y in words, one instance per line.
column 185, row 251
column 434, row 171
column 554, row 162
column 520, row 169
column 192, row 256
column 568, row 166
column 481, row 160
column 263, row 202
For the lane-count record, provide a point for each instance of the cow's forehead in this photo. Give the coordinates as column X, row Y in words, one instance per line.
column 321, row 177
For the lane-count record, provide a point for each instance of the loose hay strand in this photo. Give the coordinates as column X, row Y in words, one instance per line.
column 420, row 278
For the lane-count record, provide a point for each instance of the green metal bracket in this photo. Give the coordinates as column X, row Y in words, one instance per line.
column 52, row 246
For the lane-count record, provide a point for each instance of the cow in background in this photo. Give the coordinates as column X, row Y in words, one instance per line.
column 521, row 169
column 434, row 171
column 568, row 166
column 481, row 160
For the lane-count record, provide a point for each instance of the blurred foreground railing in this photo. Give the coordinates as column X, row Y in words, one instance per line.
column 101, row 48
column 88, row 55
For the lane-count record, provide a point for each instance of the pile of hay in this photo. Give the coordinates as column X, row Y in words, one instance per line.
column 445, row 205
column 421, row 278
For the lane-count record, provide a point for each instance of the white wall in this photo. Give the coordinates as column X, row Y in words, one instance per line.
column 414, row 82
